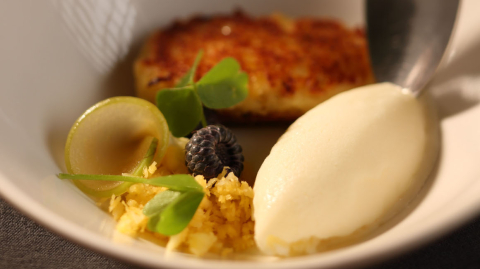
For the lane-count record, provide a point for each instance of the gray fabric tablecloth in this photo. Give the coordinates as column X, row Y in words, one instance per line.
column 25, row 244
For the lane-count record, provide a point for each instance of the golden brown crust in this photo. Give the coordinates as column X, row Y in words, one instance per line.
column 292, row 64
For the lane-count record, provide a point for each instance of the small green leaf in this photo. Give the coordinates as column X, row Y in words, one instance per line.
column 182, row 109
column 158, row 203
column 176, row 216
column 180, row 182
column 187, row 79
column 152, row 222
column 224, row 85
column 133, row 179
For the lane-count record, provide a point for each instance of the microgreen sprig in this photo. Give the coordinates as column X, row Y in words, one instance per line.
column 180, row 182
column 169, row 211
column 172, row 211
column 222, row 86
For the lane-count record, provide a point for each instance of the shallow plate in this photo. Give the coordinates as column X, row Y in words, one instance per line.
column 60, row 57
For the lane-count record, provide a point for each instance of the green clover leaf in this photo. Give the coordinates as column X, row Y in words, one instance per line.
column 182, row 109
column 177, row 215
column 224, row 85
column 160, row 202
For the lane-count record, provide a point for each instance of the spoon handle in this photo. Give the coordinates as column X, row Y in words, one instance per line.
column 407, row 39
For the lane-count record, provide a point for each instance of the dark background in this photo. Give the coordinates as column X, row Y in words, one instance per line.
column 25, row 244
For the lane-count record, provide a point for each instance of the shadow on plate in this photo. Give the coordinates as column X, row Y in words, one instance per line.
column 118, row 81
column 455, row 87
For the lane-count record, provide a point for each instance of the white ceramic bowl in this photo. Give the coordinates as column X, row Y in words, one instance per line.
column 60, row 57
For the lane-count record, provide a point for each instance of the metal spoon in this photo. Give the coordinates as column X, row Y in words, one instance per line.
column 407, row 39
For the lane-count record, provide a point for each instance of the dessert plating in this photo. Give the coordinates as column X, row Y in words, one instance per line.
column 293, row 65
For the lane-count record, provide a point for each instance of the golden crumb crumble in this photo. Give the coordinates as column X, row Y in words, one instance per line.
column 222, row 224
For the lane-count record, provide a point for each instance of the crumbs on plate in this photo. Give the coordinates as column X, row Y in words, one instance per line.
column 222, row 225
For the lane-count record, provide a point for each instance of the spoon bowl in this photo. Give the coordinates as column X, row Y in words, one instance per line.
column 407, row 39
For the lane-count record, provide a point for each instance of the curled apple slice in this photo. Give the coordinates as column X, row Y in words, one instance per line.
column 111, row 138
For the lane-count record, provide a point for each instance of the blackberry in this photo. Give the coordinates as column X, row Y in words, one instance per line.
column 212, row 148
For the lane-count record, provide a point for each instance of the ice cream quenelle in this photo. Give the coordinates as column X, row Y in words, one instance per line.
column 343, row 167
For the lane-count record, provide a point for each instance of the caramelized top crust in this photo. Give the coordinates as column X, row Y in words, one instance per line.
column 314, row 58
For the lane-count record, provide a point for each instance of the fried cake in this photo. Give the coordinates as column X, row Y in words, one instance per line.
column 293, row 64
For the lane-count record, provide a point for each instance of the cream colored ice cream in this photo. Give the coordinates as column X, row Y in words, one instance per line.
column 341, row 167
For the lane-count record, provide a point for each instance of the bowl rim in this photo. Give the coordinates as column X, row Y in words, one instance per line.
column 435, row 227
column 85, row 238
